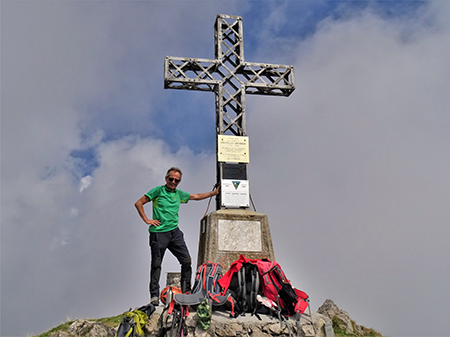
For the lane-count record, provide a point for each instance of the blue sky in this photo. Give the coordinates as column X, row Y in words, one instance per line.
column 183, row 114
column 351, row 169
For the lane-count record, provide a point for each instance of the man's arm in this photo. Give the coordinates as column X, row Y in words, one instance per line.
column 140, row 208
column 201, row 196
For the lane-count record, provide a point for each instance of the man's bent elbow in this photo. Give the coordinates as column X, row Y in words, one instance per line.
column 143, row 200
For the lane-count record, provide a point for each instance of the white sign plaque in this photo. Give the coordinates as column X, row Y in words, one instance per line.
column 239, row 235
column 233, row 149
column 235, row 193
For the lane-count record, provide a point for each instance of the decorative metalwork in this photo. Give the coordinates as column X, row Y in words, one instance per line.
column 229, row 77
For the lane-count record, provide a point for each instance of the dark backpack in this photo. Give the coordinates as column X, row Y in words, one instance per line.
column 273, row 284
column 205, row 286
column 244, row 287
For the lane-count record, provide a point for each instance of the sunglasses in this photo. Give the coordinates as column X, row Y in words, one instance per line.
column 173, row 180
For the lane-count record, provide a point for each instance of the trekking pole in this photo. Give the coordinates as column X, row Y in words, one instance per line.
column 182, row 330
column 175, row 319
column 299, row 326
column 312, row 322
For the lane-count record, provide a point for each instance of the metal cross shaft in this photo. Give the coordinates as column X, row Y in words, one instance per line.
column 229, row 77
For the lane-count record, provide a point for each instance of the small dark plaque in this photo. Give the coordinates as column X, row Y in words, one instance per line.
column 234, row 171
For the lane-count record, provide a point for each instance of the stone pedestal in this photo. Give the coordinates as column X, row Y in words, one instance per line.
column 226, row 234
column 173, row 279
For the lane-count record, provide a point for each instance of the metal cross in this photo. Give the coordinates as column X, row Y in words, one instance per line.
column 230, row 78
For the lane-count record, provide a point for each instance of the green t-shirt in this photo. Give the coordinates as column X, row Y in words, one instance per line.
column 166, row 204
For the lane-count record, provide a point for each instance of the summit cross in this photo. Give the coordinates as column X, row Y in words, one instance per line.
column 230, row 78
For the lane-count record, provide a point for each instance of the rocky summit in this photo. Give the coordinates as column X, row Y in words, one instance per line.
column 328, row 321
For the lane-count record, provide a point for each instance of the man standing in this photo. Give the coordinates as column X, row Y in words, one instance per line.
column 164, row 231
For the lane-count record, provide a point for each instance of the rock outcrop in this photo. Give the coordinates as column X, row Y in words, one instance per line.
column 342, row 322
column 244, row 326
column 160, row 324
column 83, row 327
column 337, row 316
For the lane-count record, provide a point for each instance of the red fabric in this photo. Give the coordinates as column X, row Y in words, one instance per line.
column 301, row 306
column 301, row 294
column 203, row 268
column 263, row 267
column 235, row 266
column 270, row 287
column 171, row 306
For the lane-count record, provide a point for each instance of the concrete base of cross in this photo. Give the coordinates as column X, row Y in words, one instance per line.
column 226, row 234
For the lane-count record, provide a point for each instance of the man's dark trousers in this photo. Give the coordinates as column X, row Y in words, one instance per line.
column 173, row 241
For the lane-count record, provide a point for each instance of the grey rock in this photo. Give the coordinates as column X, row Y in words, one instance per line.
column 331, row 310
column 88, row 329
column 275, row 328
column 201, row 333
column 100, row 330
column 243, row 326
column 59, row 334
column 229, row 330
column 151, row 327
column 80, row 327
column 257, row 332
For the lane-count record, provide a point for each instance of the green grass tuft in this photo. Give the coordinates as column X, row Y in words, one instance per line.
column 110, row 322
column 61, row 327
column 339, row 330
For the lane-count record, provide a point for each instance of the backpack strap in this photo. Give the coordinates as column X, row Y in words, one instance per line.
column 171, row 307
column 232, row 303
column 199, row 278
column 242, row 289
column 199, row 289
column 206, row 286
column 254, row 288
column 184, row 313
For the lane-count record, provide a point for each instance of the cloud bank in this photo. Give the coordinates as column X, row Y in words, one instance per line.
column 352, row 169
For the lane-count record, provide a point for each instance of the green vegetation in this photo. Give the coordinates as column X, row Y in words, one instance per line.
column 339, row 329
column 62, row 327
column 114, row 322
column 110, row 322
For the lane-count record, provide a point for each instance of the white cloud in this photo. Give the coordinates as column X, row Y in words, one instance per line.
column 360, row 154
column 85, row 182
column 353, row 166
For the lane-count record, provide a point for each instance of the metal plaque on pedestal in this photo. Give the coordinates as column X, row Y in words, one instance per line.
column 235, row 193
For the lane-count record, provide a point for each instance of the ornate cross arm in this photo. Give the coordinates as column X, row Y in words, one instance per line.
column 189, row 73
column 198, row 74
column 268, row 79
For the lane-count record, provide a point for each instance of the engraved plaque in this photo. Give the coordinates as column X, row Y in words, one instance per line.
column 234, row 171
column 233, row 149
column 235, row 193
column 237, row 235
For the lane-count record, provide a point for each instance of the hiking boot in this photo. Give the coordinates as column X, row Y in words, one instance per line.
column 155, row 301
column 186, row 287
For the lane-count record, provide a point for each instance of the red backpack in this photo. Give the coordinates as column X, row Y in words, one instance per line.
column 278, row 288
column 273, row 283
